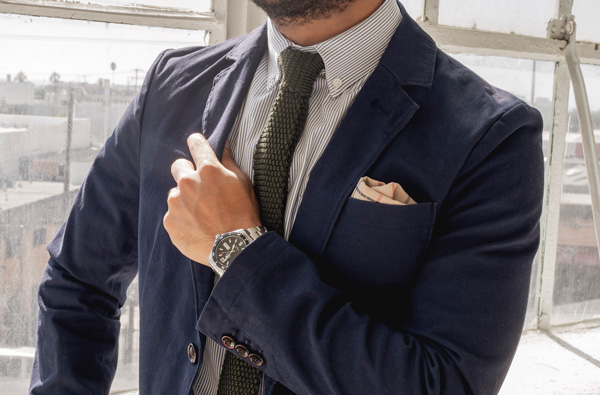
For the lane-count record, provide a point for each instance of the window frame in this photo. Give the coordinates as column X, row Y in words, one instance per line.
column 486, row 43
column 214, row 22
column 229, row 18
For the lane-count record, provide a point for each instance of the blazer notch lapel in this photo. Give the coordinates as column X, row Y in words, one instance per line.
column 411, row 54
column 230, row 87
column 379, row 113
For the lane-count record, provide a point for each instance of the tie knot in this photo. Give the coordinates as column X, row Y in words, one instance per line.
column 299, row 70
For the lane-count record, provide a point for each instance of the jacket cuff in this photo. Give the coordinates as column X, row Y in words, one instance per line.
column 215, row 320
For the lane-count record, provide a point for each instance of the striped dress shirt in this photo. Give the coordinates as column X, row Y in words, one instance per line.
column 350, row 58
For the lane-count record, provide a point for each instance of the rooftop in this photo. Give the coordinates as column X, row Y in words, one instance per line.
column 12, row 130
column 25, row 192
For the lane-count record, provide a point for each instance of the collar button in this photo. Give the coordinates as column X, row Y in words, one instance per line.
column 337, row 82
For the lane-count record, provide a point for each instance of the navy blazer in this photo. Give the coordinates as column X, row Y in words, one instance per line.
column 364, row 298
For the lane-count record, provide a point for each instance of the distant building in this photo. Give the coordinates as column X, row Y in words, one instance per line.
column 30, row 215
column 17, row 92
column 33, row 148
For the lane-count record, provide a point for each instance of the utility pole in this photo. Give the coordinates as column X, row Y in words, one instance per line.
column 533, row 82
column 69, row 139
column 106, row 86
column 113, row 67
column 136, row 77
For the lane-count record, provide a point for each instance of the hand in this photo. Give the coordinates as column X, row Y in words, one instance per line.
column 210, row 198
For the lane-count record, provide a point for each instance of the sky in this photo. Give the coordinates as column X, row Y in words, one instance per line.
column 83, row 51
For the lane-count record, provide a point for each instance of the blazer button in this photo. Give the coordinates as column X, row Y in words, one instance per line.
column 242, row 351
column 228, row 342
column 191, row 353
column 256, row 360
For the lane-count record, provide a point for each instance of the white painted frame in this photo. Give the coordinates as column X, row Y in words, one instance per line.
column 214, row 22
column 227, row 18
column 230, row 18
column 517, row 46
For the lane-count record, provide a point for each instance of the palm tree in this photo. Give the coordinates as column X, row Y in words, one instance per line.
column 55, row 78
column 21, row 77
column 113, row 67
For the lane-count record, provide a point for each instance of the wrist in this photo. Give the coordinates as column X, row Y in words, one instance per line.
column 228, row 246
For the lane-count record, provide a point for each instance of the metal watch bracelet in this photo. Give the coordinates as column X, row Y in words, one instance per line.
column 247, row 235
column 253, row 233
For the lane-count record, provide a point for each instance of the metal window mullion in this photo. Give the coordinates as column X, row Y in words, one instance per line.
column 432, row 11
column 242, row 17
column 237, row 18
column 454, row 39
column 221, row 13
column 552, row 197
column 144, row 16
column 587, row 127
column 255, row 17
column 564, row 7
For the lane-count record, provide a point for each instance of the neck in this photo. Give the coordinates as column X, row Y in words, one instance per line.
column 319, row 30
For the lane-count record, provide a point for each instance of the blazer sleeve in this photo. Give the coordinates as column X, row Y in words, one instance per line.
column 93, row 259
column 466, row 308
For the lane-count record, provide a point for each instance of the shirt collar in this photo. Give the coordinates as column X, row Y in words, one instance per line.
column 349, row 57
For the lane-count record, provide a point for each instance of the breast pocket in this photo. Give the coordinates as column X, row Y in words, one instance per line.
column 376, row 248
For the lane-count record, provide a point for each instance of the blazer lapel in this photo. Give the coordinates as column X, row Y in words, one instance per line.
column 378, row 114
column 230, row 87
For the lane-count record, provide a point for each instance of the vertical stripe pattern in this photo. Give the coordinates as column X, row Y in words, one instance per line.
column 350, row 58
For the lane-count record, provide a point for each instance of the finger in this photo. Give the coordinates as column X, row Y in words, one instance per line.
column 200, row 149
column 180, row 168
column 173, row 193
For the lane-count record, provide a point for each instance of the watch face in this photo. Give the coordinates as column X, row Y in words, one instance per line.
column 227, row 249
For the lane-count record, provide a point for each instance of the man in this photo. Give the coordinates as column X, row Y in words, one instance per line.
column 424, row 293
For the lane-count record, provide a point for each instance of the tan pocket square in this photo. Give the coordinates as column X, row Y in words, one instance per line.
column 378, row 192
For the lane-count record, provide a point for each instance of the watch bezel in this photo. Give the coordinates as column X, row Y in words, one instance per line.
column 246, row 235
column 220, row 241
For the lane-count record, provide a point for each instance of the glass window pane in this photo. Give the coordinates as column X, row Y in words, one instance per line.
column 190, row 5
column 508, row 16
column 576, row 290
column 49, row 59
column 84, row 51
column 533, row 82
column 586, row 16
column 101, row 61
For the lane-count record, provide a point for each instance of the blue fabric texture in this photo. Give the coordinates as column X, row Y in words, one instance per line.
column 363, row 298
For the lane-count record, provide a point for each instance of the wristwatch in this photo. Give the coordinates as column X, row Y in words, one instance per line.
column 229, row 245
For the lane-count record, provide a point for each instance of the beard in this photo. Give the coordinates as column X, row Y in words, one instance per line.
column 298, row 12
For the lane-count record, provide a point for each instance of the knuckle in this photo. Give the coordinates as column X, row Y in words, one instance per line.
column 175, row 165
column 173, row 195
column 209, row 169
column 167, row 221
column 180, row 167
column 186, row 183
column 171, row 201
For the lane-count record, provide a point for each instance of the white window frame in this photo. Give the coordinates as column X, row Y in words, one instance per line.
column 227, row 18
column 517, row 46
column 230, row 18
column 214, row 22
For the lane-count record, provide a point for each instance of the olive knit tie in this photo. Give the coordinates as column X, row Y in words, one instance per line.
column 275, row 148
column 272, row 160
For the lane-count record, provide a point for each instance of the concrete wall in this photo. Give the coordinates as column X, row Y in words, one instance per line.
column 28, row 136
column 17, row 92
